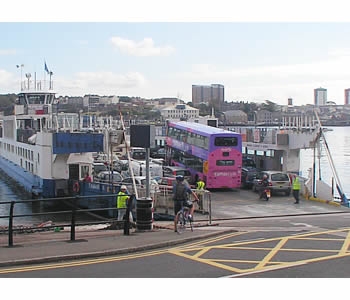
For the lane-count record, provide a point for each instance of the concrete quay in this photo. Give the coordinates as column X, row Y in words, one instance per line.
column 96, row 241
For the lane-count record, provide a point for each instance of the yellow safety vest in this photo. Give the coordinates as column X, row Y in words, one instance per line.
column 296, row 184
column 200, row 185
column 121, row 199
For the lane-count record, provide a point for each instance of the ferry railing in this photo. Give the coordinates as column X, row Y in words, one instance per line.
column 73, row 202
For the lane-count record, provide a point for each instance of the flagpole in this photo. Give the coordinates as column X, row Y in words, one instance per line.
column 21, row 77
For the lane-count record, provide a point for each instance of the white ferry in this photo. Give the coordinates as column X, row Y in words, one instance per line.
column 43, row 150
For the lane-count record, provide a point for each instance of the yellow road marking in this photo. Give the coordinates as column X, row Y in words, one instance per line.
column 201, row 247
column 345, row 246
column 271, row 254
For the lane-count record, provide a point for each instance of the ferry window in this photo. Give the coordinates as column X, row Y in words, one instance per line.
column 84, row 170
column 226, row 141
column 38, row 158
column 21, row 163
column 36, row 99
column 31, row 155
column 225, row 162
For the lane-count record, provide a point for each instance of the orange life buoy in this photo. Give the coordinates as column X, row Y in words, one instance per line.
column 76, row 187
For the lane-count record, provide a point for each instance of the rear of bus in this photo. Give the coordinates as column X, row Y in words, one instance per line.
column 224, row 164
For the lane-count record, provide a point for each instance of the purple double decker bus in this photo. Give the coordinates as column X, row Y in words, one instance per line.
column 209, row 153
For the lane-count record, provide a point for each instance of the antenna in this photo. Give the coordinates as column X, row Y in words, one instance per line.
column 178, row 97
column 28, row 75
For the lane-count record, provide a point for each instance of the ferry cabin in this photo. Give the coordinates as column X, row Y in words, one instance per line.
column 44, row 151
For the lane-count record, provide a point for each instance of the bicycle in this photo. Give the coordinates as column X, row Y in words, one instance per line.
column 182, row 219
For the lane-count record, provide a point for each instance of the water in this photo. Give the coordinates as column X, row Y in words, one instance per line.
column 338, row 140
column 10, row 191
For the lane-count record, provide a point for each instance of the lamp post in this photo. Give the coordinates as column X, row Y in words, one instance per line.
column 21, row 66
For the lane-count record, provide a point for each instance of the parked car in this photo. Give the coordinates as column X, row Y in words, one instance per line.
column 278, row 182
column 174, row 171
column 108, row 176
column 98, row 167
column 120, row 165
column 138, row 153
column 248, row 176
column 248, row 162
column 159, row 153
column 168, row 181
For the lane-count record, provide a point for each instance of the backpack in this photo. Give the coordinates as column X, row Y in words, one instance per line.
column 180, row 192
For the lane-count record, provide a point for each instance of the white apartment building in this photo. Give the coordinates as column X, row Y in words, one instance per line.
column 179, row 111
column 320, row 96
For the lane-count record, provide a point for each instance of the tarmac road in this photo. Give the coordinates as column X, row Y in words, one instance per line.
column 311, row 246
column 91, row 241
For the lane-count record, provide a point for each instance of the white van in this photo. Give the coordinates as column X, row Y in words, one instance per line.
column 139, row 168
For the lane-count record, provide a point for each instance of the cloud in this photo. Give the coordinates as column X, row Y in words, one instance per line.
column 277, row 82
column 8, row 52
column 102, row 83
column 9, row 82
column 145, row 47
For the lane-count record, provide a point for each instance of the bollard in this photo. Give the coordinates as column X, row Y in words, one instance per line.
column 72, row 226
column 11, row 224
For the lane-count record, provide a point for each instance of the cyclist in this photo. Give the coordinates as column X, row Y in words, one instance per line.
column 180, row 197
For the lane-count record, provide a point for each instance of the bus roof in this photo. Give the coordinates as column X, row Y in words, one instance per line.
column 200, row 128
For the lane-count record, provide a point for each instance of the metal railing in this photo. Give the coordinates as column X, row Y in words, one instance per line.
column 162, row 199
column 73, row 211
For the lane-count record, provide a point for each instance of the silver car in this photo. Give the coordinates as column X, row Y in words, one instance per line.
column 279, row 182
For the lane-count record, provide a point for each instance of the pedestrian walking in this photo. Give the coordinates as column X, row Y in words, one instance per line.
column 296, row 189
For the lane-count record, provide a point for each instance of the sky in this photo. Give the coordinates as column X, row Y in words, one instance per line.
column 152, row 49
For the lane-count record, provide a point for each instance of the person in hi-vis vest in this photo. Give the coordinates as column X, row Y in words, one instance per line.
column 296, row 189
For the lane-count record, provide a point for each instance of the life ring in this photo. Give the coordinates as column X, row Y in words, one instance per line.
column 76, row 187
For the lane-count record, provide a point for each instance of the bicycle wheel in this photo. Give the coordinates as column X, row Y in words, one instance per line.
column 180, row 224
column 191, row 224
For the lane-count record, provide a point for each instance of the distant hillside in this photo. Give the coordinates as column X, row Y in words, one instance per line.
column 7, row 102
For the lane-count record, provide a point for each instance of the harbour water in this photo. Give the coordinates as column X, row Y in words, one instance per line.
column 338, row 140
column 9, row 191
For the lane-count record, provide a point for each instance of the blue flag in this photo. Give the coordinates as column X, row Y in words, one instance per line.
column 46, row 69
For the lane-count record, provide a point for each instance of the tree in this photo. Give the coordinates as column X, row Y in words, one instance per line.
column 270, row 106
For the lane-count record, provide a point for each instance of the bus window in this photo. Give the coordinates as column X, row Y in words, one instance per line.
column 225, row 162
column 226, row 141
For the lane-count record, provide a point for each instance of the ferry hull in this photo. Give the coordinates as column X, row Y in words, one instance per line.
column 31, row 183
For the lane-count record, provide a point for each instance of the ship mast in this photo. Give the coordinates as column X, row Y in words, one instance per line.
column 343, row 198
